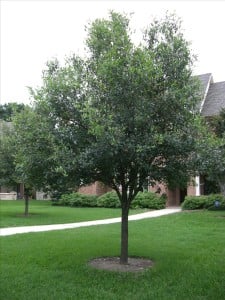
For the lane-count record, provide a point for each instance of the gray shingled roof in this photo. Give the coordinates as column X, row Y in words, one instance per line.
column 205, row 80
column 215, row 99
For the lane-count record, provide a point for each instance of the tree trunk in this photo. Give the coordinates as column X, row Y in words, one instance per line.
column 221, row 182
column 26, row 197
column 222, row 187
column 124, row 234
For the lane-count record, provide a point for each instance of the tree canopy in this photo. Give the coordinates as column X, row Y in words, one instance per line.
column 8, row 175
column 9, row 109
column 211, row 150
column 122, row 115
column 7, row 155
column 40, row 155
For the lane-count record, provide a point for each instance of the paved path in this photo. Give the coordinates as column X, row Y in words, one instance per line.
column 39, row 228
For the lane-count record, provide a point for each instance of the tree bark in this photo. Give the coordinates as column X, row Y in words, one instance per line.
column 124, row 234
column 222, row 187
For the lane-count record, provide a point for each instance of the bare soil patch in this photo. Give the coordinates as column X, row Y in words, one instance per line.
column 135, row 264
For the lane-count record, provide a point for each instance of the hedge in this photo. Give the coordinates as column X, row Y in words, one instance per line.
column 77, row 200
column 110, row 200
column 142, row 200
column 149, row 200
column 204, row 202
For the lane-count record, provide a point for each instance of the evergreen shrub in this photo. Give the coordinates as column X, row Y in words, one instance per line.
column 109, row 200
column 149, row 200
column 204, row 202
column 78, row 200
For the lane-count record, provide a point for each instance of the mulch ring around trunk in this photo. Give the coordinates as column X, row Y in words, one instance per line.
column 135, row 264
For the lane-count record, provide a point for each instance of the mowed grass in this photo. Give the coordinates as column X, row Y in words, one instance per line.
column 188, row 250
column 43, row 213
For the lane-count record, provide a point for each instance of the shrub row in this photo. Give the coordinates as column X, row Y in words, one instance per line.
column 211, row 202
column 77, row 200
column 111, row 200
column 149, row 200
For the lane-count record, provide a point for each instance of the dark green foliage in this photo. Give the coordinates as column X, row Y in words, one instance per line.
column 211, row 186
column 216, row 198
column 194, row 202
column 8, row 176
column 121, row 115
column 218, row 124
column 109, row 200
column 203, row 202
column 78, row 200
column 211, row 150
column 142, row 200
column 149, row 200
column 9, row 109
column 56, row 195
column 41, row 157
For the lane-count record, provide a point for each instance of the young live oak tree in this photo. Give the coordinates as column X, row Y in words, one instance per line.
column 125, row 112
column 39, row 155
column 7, row 152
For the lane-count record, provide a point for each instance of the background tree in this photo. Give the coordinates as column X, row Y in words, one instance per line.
column 123, row 114
column 39, row 157
column 218, row 124
column 211, row 150
column 9, row 109
column 8, row 177
column 9, row 171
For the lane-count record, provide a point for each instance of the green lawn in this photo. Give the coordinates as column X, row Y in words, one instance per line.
column 188, row 249
column 43, row 213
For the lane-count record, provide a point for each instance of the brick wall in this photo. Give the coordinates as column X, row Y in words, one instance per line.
column 173, row 196
column 191, row 190
column 97, row 188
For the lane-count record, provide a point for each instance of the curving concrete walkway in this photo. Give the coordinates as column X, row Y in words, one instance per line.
column 40, row 228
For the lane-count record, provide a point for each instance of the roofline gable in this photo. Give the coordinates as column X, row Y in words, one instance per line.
column 206, row 92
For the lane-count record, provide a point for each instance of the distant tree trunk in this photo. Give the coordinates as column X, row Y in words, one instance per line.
column 26, row 198
column 124, row 229
column 222, row 187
